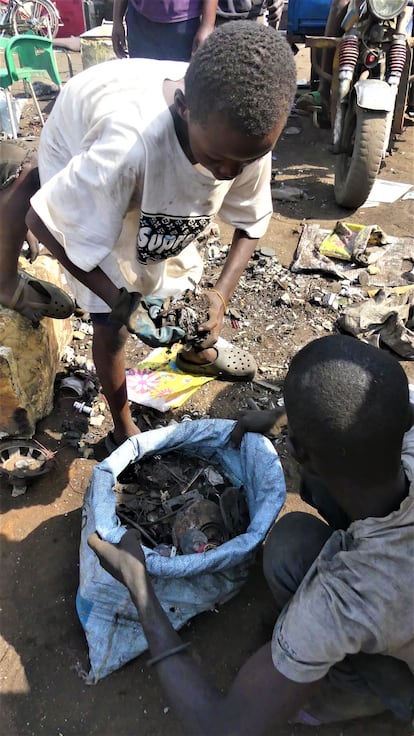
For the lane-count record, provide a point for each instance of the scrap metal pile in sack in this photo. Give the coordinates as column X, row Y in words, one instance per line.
column 208, row 573
column 181, row 504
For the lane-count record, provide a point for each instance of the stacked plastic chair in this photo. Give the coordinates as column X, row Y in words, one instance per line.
column 5, row 83
column 35, row 58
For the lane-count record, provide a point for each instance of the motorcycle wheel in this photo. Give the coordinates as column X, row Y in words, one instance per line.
column 38, row 16
column 362, row 145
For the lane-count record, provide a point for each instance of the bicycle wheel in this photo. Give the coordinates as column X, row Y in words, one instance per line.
column 37, row 16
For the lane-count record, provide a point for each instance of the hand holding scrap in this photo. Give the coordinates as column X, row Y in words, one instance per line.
column 142, row 317
column 192, row 313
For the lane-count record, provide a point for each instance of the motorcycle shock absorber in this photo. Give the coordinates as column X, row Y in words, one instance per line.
column 348, row 57
column 396, row 59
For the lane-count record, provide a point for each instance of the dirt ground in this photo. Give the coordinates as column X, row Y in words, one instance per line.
column 43, row 650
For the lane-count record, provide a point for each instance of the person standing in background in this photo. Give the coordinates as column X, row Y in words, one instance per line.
column 250, row 10
column 161, row 29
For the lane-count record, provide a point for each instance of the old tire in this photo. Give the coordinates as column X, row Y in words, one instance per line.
column 362, row 145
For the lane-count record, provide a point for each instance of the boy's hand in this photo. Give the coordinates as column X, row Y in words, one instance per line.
column 118, row 39
column 124, row 561
column 139, row 315
column 255, row 421
column 201, row 35
column 214, row 323
column 274, row 13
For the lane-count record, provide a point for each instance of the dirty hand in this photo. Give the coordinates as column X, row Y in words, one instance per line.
column 214, row 323
column 201, row 36
column 254, row 421
column 274, row 12
column 118, row 40
column 124, row 561
column 139, row 315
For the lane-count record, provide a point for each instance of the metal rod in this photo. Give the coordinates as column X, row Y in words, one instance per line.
column 193, row 480
column 137, row 526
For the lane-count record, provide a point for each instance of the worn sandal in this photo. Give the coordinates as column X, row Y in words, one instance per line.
column 54, row 303
column 231, row 364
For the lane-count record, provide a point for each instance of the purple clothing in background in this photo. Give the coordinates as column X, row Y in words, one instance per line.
column 168, row 11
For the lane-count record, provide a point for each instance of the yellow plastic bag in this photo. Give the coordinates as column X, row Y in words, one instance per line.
column 157, row 382
column 349, row 239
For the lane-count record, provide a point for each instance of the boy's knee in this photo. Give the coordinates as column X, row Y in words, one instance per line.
column 289, row 551
column 286, row 536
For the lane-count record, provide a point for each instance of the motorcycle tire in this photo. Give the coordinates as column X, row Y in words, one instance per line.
column 362, row 145
column 40, row 17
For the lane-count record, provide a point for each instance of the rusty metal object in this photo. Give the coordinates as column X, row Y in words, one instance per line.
column 169, row 495
column 21, row 461
column 204, row 516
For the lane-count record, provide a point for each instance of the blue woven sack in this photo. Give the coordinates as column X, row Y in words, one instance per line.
column 186, row 584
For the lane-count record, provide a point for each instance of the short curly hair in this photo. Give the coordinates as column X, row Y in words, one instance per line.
column 245, row 71
column 348, row 403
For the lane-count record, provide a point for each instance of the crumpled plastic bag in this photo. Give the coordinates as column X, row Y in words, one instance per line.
column 378, row 265
column 349, row 241
column 186, row 584
column 386, row 319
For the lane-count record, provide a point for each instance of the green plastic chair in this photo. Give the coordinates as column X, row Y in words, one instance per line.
column 35, row 57
column 5, row 83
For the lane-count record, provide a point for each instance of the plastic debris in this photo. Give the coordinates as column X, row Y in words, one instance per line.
column 287, row 194
column 82, row 407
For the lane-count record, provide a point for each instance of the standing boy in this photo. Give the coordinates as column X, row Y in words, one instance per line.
column 134, row 164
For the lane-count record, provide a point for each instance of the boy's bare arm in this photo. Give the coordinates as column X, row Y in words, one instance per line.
column 96, row 280
column 259, row 697
column 242, row 248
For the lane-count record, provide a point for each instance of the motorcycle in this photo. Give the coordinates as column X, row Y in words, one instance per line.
column 373, row 78
column 370, row 82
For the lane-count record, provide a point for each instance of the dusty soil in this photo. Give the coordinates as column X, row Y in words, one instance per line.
column 43, row 651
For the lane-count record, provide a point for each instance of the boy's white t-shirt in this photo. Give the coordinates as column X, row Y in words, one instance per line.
column 118, row 191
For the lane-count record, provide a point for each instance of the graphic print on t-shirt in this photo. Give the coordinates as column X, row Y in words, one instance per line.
column 162, row 236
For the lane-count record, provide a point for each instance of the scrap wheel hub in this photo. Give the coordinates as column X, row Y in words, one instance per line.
column 20, row 461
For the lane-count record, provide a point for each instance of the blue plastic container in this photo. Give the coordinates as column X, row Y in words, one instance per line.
column 307, row 17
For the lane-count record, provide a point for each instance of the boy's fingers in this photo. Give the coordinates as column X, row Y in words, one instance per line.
column 96, row 543
column 237, row 435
